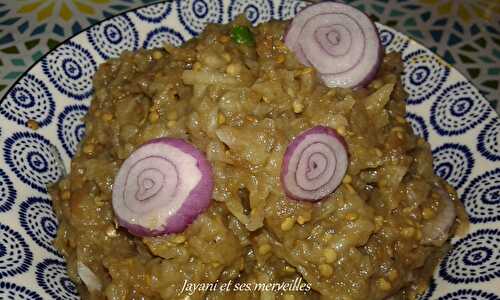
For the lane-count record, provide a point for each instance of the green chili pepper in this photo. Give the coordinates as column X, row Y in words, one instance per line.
column 242, row 35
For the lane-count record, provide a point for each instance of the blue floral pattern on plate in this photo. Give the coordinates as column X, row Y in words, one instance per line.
column 7, row 192
column 256, row 11
column 453, row 163
column 489, row 140
column 154, row 13
column 444, row 109
column 52, row 277
column 70, row 128
column 475, row 258
column 39, row 221
column 469, row 294
column 418, row 125
column 11, row 291
column 393, row 41
column 30, row 99
column 424, row 75
column 15, row 254
column 482, row 198
column 31, row 157
column 70, row 70
column 113, row 37
column 195, row 14
column 287, row 9
column 159, row 36
column 456, row 110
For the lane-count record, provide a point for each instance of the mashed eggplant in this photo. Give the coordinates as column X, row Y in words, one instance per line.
column 377, row 236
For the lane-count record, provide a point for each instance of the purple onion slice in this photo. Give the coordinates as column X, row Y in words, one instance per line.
column 341, row 42
column 314, row 164
column 162, row 187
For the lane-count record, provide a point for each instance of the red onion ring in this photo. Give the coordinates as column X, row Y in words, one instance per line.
column 162, row 187
column 341, row 42
column 314, row 164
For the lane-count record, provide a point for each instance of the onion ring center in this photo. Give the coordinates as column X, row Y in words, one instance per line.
column 317, row 166
column 149, row 183
column 325, row 159
column 335, row 39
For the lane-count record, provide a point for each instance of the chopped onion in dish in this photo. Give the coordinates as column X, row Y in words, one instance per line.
column 314, row 164
column 88, row 277
column 340, row 41
column 162, row 187
column 437, row 230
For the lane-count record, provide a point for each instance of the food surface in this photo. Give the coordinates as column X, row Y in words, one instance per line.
column 241, row 97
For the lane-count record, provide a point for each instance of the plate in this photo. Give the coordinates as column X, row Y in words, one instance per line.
column 443, row 107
